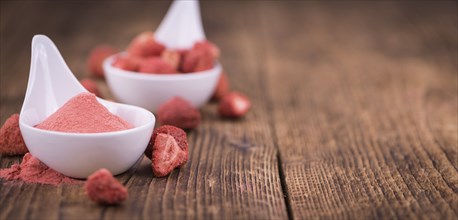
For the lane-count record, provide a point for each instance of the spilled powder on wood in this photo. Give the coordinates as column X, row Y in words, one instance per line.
column 32, row 170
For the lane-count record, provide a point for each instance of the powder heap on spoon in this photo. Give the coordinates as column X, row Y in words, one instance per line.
column 83, row 114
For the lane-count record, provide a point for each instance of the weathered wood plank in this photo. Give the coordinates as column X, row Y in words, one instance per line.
column 364, row 101
column 360, row 99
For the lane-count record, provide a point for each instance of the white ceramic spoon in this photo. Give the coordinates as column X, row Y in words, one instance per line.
column 51, row 84
column 182, row 25
column 180, row 29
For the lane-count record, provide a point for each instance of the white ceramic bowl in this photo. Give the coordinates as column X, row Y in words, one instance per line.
column 51, row 84
column 80, row 154
column 151, row 90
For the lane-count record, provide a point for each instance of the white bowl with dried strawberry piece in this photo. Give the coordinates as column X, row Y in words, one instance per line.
column 176, row 60
column 149, row 90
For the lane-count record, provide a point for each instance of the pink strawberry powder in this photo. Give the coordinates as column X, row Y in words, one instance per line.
column 83, row 114
column 32, row 170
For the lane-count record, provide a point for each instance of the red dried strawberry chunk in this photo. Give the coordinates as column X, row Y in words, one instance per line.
column 234, row 105
column 172, row 57
column 197, row 60
column 156, row 65
column 222, row 88
column 201, row 57
column 168, row 149
column 127, row 62
column 209, row 46
column 103, row 188
column 144, row 45
column 167, row 155
column 178, row 112
column 96, row 58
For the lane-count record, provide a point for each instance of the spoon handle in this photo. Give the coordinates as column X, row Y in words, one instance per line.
column 50, row 80
column 181, row 26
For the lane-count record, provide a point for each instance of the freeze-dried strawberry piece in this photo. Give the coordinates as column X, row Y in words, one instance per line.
column 205, row 62
column 11, row 141
column 197, row 60
column 234, row 105
column 103, row 188
column 222, row 88
column 190, row 60
column 177, row 133
column 209, row 46
column 172, row 57
column 169, row 151
column 127, row 62
column 144, row 45
column 156, row 65
column 96, row 58
column 201, row 57
column 167, row 155
column 178, row 112
column 90, row 86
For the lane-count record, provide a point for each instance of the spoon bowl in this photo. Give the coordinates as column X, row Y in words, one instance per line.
column 51, row 84
column 181, row 28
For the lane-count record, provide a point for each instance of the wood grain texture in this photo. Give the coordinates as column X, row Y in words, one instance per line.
column 364, row 99
column 354, row 111
column 232, row 171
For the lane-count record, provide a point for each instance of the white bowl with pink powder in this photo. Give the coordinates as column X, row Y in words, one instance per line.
column 80, row 154
column 151, row 90
column 50, row 87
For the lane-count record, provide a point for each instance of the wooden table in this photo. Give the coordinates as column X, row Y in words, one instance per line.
column 354, row 111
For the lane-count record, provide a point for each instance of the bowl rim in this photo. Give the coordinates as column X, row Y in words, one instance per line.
column 111, row 70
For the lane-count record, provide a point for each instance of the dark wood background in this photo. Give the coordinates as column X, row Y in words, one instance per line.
column 354, row 110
